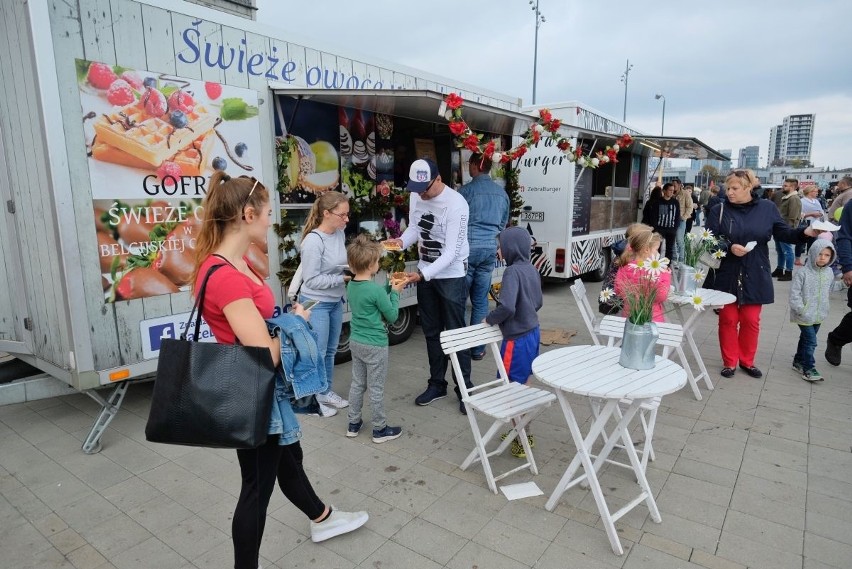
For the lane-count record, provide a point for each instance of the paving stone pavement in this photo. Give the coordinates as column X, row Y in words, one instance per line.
column 755, row 475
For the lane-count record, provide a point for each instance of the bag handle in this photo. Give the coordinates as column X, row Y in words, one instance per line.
column 199, row 305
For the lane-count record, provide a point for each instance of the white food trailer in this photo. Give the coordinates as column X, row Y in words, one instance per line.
column 113, row 114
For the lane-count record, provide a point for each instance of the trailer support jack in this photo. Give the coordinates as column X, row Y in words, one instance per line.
column 109, row 408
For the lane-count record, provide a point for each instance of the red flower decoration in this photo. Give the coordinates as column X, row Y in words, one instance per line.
column 554, row 125
column 563, row 145
column 520, row 151
column 454, row 101
column 472, row 143
column 535, row 136
column 489, row 149
column 613, row 155
column 545, row 115
column 458, row 127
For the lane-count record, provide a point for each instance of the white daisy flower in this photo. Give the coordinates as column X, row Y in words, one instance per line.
column 697, row 302
column 699, row 275
column 707, row 235
column 719, row 254
column 656, row 265
column 606, row 295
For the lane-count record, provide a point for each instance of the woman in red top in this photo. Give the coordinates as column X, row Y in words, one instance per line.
column 237, row 213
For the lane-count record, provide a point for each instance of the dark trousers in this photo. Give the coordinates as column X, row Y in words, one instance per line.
column 842, row 335
column 669, row 239
column 260, row 467
column 441, row 304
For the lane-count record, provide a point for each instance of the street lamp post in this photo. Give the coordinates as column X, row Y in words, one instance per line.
column 539, row 20
column 624, row 77
column 659, row 96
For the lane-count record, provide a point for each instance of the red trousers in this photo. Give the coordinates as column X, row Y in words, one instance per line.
column 739, row 328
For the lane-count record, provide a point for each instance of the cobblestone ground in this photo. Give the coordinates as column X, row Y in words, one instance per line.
column 755, row 475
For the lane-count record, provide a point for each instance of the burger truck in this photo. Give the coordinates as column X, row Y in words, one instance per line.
column 113, row 116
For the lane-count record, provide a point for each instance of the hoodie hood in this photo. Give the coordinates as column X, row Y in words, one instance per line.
column 515, row 245
column 816, row 248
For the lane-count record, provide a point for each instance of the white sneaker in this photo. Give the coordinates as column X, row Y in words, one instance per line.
column 332, row 399
column 337, row 523
column 326, row 411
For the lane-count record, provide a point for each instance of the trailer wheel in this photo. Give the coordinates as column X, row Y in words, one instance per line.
column 343, row 354
column 598, row 275
column 401, row 330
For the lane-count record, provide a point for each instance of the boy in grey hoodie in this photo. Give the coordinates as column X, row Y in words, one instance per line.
column 520, row 300
column 809, row 293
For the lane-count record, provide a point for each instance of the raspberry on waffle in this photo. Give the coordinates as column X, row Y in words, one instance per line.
column 149, row 138
column 193, row 160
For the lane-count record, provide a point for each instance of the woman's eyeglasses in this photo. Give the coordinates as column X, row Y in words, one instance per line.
column 344, row 216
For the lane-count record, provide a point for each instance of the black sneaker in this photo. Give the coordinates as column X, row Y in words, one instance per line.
column 777, row 272
column 752, row 371
column 786, row 276
column 832, row 353
column 386, row 434
column 354, row 429
column 462, row 408
column 432, row 393
column 728, row 372
column 477, row 356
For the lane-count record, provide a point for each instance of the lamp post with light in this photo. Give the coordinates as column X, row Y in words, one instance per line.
column 659, row 96
column 624, row 77
column 539, row 20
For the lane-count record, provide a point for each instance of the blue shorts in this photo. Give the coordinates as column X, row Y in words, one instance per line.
column 518, row 355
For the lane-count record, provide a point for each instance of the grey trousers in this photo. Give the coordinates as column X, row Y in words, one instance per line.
column 369, row 371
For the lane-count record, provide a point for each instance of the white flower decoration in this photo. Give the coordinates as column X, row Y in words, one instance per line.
column 616, row 147
column 699, row 275
column 697, row 302
column 707, row 235
column 606, row 295
column 656, row 265
column 539, row 128
column 496, row 157
column 595, row 162
column 719, row 254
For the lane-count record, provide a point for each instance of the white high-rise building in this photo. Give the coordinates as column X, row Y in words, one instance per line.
column 792, row 140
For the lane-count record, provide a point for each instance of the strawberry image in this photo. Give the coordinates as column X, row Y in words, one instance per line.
column 141, row 282
column 100, row 75
column 214, row 90
column 133, row 79
column 120, row 93
column 155, row 103
column 181, row 101
column 169, row 173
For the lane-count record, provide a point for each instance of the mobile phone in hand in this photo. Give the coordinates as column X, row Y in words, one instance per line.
column 308, row 304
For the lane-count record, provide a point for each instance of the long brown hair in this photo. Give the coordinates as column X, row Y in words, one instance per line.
column 326, row 202
column 224, row 206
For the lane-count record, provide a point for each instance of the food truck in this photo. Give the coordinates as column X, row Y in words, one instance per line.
column 114, row 113
column 574, row 213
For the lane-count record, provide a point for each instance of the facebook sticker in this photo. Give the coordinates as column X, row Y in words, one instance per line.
column 158, row 333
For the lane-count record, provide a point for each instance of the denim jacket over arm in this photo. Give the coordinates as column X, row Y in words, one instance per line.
column 301, row 373
column 489, row 211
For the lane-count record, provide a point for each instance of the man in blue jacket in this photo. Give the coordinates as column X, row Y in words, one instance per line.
column 489, row 213
column 842, row 335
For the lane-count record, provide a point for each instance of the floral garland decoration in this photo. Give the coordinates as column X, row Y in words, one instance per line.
column 544, row 127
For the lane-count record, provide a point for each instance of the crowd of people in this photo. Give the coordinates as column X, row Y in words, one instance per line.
column 459, row 236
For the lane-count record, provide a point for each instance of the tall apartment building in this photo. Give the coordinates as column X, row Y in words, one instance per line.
column 792, row 140
column 749, row 157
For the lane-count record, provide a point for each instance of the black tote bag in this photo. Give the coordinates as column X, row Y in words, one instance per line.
column 208, row 394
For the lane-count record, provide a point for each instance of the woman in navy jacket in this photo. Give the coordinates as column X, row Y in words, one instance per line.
column 746, row 274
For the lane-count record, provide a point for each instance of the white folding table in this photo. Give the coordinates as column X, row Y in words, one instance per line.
column 594, row 371
column 711, row 299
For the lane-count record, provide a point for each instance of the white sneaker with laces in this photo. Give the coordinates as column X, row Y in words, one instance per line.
column 324, row 411
column 337, row 523
column 332, row 399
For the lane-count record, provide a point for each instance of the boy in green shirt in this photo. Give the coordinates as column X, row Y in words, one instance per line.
column 371, row 306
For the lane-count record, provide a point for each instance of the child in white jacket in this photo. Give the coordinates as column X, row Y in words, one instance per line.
column 809, row 293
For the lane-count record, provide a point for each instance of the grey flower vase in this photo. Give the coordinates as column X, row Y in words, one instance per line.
column 684, row 279
column 637, row 347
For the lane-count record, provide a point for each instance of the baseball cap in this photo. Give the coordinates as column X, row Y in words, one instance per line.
column 421, row 174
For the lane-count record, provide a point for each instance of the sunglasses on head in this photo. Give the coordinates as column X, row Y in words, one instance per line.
column 253, row 186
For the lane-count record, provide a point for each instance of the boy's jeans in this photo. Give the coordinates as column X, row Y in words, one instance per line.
column 807, row 345
column 327, row 322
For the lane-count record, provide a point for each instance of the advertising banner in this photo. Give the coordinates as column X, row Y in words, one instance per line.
column 152, row 141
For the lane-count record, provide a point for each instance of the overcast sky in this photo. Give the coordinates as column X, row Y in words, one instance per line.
column 729, row 69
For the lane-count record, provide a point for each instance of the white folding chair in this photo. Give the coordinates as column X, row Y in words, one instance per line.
column 671, row 339
column 578, row 289
column 500, row 399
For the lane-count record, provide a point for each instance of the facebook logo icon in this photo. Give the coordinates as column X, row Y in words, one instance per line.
column 157, row 333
